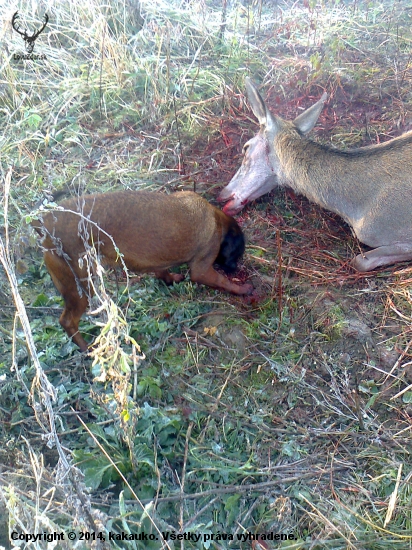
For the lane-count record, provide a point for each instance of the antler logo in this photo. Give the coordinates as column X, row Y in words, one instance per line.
column 29, row 40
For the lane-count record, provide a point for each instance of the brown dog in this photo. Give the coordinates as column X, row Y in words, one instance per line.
column 146, row 232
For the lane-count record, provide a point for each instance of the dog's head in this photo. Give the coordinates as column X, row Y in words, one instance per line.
column 232, row 247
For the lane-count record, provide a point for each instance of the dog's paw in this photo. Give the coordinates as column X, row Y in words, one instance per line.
column 246, row 290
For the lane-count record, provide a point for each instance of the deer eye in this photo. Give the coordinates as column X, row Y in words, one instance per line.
column 245, row 148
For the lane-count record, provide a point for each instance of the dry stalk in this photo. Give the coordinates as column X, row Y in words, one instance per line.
column 42, row 394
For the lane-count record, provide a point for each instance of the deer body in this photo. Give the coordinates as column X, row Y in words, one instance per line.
column 370, row 187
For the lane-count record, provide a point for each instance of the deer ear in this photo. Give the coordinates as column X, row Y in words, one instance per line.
column 259, row 108
column 307, row 120
column 256, row 102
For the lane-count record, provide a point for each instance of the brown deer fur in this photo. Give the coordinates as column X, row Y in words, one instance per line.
column 151, row 231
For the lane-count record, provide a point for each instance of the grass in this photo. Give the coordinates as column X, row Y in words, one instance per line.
column 199, row 412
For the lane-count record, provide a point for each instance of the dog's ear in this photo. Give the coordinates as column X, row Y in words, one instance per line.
column 232, row 248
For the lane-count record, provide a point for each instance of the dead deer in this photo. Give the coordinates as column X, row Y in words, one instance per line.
column 142, row 230
column 369, row 187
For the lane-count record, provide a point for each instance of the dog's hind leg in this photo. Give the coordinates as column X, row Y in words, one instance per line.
column 75, row 305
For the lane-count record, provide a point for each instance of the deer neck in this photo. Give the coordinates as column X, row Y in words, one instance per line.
column 325, row 176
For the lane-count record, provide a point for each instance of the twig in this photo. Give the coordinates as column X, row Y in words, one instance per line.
column 252, row 487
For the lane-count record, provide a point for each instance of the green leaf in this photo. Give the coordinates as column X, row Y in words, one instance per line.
column 93, row 477
column 232, row 507
column 407, row 397
column 41, row 300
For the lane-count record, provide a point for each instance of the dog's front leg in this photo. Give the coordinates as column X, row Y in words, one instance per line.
column 167, row 277
column 212, row 278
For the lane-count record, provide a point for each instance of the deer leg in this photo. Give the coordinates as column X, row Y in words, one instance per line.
column 75, row 305
column 167, row 277
column 383, row 255
column 210, row 277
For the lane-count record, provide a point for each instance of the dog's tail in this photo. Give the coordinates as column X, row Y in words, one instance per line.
column 36, row 223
